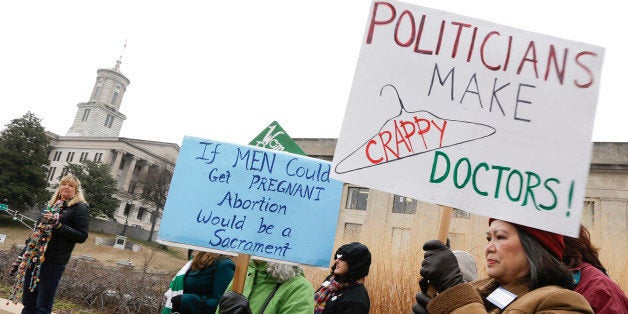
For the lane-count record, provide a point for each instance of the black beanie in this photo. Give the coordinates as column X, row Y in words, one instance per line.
column 358, row 257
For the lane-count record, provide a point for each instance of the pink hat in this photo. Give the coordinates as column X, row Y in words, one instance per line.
column 551, row 241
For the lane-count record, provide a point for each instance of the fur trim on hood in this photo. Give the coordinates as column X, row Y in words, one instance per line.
column 283, row 272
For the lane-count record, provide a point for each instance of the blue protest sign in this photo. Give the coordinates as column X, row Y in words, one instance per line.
column 251, row 200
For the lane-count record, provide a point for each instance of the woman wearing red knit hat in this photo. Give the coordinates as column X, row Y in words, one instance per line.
column 525, row 273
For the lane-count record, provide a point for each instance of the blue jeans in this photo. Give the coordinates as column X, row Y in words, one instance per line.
column 41, row 299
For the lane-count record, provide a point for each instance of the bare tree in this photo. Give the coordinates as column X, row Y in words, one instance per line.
column 155, row 186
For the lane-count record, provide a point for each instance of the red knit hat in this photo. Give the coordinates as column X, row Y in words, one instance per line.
column 551, row 241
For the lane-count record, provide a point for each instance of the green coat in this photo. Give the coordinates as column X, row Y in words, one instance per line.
column 203, row 288
column 294, row 296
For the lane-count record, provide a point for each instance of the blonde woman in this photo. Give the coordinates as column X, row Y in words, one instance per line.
column 63, row 223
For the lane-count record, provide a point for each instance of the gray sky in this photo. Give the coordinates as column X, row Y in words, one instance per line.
column 225, row 70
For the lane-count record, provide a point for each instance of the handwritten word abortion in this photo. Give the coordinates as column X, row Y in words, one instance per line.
column 264, row 175
column 517, row 186
column 496, row 51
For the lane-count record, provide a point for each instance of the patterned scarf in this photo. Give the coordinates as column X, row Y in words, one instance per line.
column 34, row 252
column 326, row 291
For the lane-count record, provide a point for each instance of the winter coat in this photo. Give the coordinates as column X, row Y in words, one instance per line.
column 353, row 299
column 471, row 298
column 295, row 295
column 202, row 288
column 73, row 229
column 604, row 295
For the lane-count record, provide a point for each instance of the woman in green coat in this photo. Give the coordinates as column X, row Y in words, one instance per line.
column 271, row 288
column 198, row 286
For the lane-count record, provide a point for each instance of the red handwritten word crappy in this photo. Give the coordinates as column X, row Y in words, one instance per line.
column 411, row 133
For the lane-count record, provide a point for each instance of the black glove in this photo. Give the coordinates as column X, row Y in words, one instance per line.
column 176, row 303
column 420, row 307
column 15, row 266
column 440, row 266
column 234, row 303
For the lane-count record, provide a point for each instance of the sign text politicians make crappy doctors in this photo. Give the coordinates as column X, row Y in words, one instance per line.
column 251, row 200
column 470, row 114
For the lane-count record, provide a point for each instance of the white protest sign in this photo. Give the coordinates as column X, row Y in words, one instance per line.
column 251, row 200
column 470, row 114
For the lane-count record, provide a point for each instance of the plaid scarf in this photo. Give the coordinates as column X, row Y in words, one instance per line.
column 34, row 252
column 327, row 290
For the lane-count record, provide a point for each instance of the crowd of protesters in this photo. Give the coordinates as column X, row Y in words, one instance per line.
column 528, row 271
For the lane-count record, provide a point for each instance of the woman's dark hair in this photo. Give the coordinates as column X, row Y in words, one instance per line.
column 580, row 250
column 545, row 269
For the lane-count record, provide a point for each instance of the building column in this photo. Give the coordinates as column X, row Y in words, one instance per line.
column 129, row 174
column 116, row 164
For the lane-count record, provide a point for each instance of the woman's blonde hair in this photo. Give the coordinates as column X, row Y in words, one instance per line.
column 78, row 195
column 204, row 259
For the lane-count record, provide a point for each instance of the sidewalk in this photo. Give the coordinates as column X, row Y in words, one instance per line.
column 11, row 308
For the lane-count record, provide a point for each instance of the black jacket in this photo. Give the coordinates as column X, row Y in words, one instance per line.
column 353, row 299
column 73, row 229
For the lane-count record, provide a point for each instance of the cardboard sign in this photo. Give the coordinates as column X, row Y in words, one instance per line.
column 470, row 114
column 254, row 201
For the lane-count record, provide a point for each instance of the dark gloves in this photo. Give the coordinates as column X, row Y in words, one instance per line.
column 234, row 303
column 440, row 266
column 176, row 303
column 14, row 268
column 420, row 307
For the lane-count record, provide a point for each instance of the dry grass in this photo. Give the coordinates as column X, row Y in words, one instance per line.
column 170, row 260
column 392, row 281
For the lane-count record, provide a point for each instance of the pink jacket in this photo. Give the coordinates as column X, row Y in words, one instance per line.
column 604, row 295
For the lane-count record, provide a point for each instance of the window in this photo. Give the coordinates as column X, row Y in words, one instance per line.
column 132, row 186
column 140, row 213
column 51, row 174
column 115, row 95
column 459, row 213
column 404, row 205
column 70, row 157
column 400, row 239
column 98, row 157
column 98, row 85
column 83, row 156
column 64, row 172
column 85, row 114
column 352, row 231
column 357, row 198
column 109, row 121
column 588, row 213
column 137, row 169
column 122, row 164
column 127, row 209
column 57, row 156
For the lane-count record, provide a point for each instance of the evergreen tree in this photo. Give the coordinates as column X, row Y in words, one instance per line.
column 99, row 187
column 24, row 163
